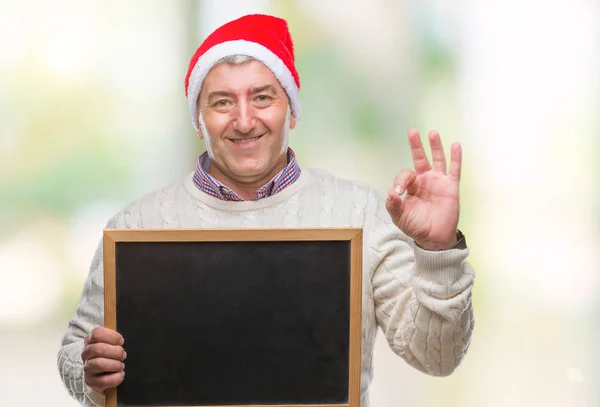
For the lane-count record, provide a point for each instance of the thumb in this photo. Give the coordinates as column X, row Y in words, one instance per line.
column 394, row 205
column 404, row 180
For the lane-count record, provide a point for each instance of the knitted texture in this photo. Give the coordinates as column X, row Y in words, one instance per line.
column 420, row 299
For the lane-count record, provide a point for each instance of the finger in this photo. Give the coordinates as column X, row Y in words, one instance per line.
column 455, row 161
column 394, row 205
column 102, row 365
column 103, row 350
column 404, row 180
column 437, row 152
column 420, row 160
column 101, row 383
column 104, row 335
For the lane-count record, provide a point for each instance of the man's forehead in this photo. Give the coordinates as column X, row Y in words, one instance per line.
column 246, row 77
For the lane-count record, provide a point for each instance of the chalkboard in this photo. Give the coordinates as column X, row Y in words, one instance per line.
column 235, row 317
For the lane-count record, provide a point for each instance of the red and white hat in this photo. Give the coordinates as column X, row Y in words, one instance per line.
column 265, row 38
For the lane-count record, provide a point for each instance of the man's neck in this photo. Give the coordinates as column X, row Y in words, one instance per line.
column 247, row 189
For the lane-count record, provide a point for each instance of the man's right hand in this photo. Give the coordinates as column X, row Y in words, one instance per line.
column 103, row 357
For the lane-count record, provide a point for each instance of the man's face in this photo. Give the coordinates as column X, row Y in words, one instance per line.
column 245, row 120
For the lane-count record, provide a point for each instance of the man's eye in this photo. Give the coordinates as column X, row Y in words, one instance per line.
column 263, row 98
column 221, row 103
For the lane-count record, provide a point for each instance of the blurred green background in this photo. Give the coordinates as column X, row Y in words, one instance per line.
column 93, row 114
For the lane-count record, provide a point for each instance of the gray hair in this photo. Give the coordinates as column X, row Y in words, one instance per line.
column 236, row 59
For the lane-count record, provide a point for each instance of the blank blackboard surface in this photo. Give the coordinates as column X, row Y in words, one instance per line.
column 235, row 322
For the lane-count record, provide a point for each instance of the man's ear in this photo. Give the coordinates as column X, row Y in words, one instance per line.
column 198, row 113
column 292, row 122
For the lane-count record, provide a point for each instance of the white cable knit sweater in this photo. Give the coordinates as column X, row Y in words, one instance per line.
column 420, row 299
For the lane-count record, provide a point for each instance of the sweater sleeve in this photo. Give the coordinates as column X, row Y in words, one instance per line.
column 89, row 314
column 422, row 298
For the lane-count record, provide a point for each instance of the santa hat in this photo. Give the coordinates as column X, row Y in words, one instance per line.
column 265, row 38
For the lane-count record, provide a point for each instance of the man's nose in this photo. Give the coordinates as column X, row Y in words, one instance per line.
column 245, row 119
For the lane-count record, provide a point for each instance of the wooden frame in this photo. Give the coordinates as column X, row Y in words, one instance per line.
column 352, row 235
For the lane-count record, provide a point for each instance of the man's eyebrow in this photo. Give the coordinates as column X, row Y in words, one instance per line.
column 218, row 93
column 266, row 88
column 253, row 91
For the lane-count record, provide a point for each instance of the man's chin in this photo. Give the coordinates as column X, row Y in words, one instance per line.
column 248, row 171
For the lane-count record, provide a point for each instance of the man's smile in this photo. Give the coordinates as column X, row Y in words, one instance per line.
column 246, row 141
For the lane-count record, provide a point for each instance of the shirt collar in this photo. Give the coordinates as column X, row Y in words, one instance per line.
column 210, row 185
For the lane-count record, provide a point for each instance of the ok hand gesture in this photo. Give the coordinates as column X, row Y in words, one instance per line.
column 429, row 211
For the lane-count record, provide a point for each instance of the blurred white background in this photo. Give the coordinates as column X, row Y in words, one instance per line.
column 93, row 114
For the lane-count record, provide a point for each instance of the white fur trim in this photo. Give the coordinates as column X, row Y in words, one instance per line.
column 253, row 49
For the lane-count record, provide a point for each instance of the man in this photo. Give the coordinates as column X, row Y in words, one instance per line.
column 242, row 89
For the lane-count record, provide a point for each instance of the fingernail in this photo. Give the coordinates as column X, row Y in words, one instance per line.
column 122, row 366
column 124, row 355
column 398, row 189
column 122, row 341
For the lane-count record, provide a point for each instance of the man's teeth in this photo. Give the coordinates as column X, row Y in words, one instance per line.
column 245, row 140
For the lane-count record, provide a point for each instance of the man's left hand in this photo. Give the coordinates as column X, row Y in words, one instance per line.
column 429, row 211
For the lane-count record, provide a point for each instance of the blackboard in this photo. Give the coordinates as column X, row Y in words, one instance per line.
column 235, row 317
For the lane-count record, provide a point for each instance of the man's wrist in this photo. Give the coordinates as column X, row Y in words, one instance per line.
column 459, row 243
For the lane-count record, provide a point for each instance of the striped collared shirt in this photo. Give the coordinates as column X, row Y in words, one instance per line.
column 208, row 184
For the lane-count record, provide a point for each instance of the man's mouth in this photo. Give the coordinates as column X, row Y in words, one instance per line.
column 245, row 140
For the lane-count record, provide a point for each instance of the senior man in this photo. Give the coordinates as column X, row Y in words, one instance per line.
column 242, row 89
